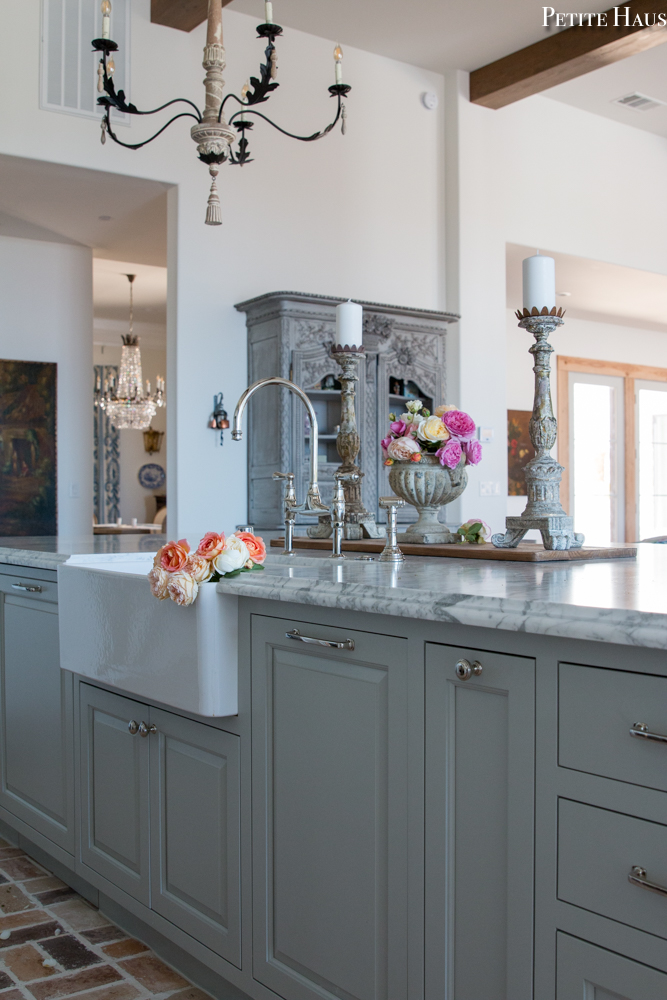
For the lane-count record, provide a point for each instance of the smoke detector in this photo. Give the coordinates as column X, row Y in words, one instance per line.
column 638, row 102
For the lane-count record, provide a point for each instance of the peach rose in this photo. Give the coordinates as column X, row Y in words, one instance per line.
column 174, row 555
column 234, row 556
column 158, row 581
column 254, row 544
column 211, row 545
column 183, row 589
column 432, row 430
column 445, row 409
column 402, row 449
column 199, row 568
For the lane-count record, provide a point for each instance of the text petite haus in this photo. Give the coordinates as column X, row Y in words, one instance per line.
column 623, row 17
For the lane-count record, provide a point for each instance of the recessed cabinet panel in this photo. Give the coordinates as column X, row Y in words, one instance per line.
column 36, row 719
column 114, row 790
column 596, row 710
column 479, row 826
column 329, row 814
column 597, row 849
column 195, row 835
column 586, row 972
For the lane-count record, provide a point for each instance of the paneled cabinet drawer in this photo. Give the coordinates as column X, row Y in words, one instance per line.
column 597, row 849
column 597, row 709
column 584, row 970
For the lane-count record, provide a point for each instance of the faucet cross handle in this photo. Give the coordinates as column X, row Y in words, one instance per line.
column 289, row 509
column 391, row 552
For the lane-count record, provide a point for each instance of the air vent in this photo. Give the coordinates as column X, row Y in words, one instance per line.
column 69, row 65
column 638, row 102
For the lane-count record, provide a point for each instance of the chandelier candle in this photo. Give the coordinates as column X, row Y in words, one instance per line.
column 539, row 283
column 268, row 12
column 349, row 325
column 338, row 59
column 106, row 18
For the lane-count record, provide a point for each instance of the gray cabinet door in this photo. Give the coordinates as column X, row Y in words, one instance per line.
column 586, row 972
column 329, row 813
column 480, row 751
column 36, row 721
column 114, row 790
column 195, row 835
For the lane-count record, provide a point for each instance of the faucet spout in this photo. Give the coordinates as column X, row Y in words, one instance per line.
column 313, row 500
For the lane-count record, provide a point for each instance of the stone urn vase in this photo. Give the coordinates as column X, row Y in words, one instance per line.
column 428, row 486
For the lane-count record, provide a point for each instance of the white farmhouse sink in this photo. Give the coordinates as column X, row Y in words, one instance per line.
column 113, row 630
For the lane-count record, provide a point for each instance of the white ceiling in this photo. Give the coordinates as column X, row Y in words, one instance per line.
column 51, row 201
column 435, row 34
column 598, row 291
column 111, row 293
column 645, row 73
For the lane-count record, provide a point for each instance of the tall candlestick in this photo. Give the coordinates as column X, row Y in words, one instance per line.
column 268, row 12
column 349, row 324
column 539, row 282
column 106, row 18
column 338, row 59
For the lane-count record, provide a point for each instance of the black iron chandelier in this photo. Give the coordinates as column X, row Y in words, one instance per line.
column 212, row 132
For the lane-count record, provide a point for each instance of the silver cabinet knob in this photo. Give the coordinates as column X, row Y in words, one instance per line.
column 133, row 727
column 465, row 669
column 145, row 730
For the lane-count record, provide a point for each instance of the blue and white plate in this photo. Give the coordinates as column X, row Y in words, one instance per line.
column 152, row 476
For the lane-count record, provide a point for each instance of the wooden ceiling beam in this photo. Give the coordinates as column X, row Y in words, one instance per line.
column 568, row 54
column 182, row 14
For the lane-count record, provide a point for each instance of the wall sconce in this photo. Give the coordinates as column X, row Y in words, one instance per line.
column 153, row 440
column 219, row 421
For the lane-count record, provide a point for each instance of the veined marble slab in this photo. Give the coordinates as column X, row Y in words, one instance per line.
column 49, row 552
column 622, row 602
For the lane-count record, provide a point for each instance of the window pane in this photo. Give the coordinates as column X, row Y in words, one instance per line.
column 652, row 453
column 593, row 441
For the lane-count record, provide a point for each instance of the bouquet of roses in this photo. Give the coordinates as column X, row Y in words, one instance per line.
column 449, row 434
column 177, row 572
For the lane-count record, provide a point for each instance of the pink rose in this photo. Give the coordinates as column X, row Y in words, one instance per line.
column 399, row 427
column 450, row 454
column 473, row 452
column 386, row 442
column 182, row 589
column 174, row 555
column 211, row 545
column 459, row 424
column 199, row 568
column 402, row 449
column 159, row 580
column 255, row 546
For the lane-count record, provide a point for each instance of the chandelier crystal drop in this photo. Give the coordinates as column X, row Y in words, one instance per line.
column 213, row 132
column 125, row 403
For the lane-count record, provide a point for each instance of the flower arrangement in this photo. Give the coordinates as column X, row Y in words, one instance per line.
column 177, row 572
column 474, row 531
column 448, row 434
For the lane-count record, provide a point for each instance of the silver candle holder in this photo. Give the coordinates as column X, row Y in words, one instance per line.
column 543, row 473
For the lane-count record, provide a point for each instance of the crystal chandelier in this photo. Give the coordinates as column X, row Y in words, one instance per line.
column 125, row 403
column 212, row 131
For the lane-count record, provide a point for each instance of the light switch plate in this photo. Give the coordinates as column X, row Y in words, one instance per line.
column 485, row 434
column 489, row 489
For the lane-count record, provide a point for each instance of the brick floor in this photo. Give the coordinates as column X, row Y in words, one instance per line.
column 54, row 944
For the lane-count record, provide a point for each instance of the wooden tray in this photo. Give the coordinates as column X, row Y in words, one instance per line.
column 524, row 552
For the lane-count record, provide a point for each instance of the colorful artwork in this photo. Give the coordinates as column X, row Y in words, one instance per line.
column 519, row 450
column 27, row 448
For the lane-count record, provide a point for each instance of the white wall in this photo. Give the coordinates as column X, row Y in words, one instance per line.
column 359, row 216
column 135, row 501
column 46, row 314
column 544, row 174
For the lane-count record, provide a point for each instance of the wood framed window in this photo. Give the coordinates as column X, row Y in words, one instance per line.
column 612, row 444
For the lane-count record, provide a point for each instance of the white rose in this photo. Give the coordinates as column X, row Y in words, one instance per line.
column 159, row 580
column 432, row 429
column 182, row 588
column 234, row 556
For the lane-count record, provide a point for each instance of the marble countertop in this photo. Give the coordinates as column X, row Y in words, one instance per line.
column 48, row 552
column 618, row 600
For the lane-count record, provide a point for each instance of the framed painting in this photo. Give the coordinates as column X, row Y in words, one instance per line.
column 28, row 459
column 519, row 450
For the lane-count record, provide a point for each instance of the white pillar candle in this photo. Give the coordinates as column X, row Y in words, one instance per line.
column 268, row 12
column 349, row 324
column 539, row 282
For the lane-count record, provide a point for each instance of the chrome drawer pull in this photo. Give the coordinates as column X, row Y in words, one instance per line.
column 641, row 731
column 638, row 877
column 295, row 634
column 31, row 589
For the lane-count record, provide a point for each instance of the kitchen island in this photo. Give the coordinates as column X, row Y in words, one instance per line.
column 430, row 789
